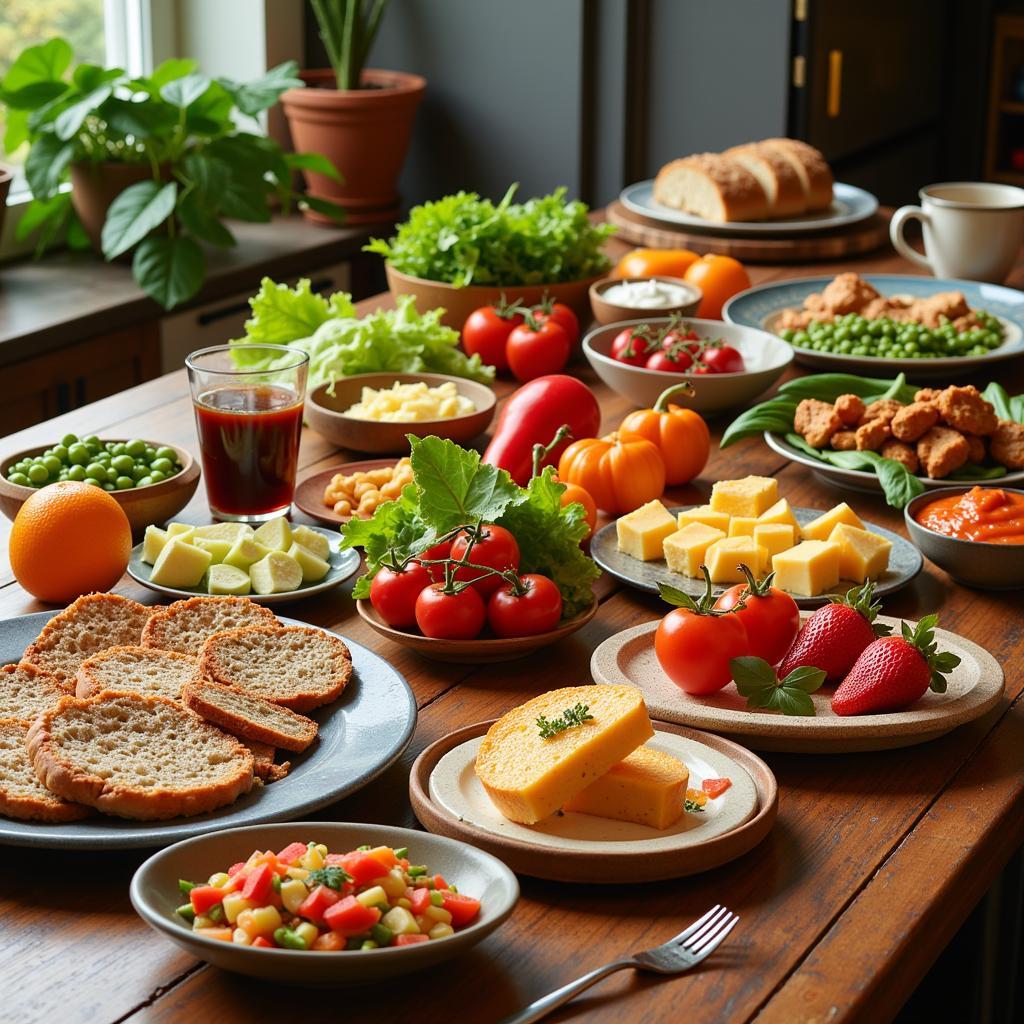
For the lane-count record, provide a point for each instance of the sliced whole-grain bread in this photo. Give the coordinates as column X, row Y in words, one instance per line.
column 247, row 716
column 298, row 667
column 22, row 795
column 186, row 625
column 87, row 626
column 140, row 757
column 263, row 762
column 26, row 690
column 146, row 670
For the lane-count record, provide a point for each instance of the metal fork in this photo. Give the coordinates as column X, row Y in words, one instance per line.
column 679, row 954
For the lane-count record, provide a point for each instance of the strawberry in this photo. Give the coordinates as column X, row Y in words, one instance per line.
column 894, row 671
column 835, row 635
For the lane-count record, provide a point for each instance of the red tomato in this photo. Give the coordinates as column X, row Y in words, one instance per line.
column 350, row 917
column 462, row 908
column 486, row 331
column 536, row 611
column 670, row 361
column 632, row 346
column 363, row 867
column 496, row 548
column 292, row 852
column 770, row 616
column 444, row 616
column 433, row 553
column 317, row 903
column 203, row 897
column 410, row 940
column 715, row 787
column 724, row 359
column 262, row 942
column 393, row 594
column 258, row 884
column 537, row 349
column 561, row 314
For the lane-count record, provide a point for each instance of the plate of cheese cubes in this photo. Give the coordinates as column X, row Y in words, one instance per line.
column 815, row 554
column 577, row 784
column 271, row 564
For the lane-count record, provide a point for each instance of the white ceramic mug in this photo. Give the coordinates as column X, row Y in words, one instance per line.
column 972, row 229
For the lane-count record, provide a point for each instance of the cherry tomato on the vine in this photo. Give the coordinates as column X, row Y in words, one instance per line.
column 485, row 333
column 496, row 549
column 561, row 314
column 675, row 360
column 535, row 349
column 771, row 617
column 632, row 345
column 446, row 615
column 537, row 609
column 393, row 593
column 723, row 359
column 433, row 553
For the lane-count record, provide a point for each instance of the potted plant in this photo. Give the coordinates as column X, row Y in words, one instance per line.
column 360, row 118
column 155, row 163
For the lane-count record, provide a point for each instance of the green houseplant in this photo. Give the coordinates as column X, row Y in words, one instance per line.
column 156, row 163
column 360, row 118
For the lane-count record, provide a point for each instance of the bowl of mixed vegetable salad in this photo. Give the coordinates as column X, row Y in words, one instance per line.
column 323, row 903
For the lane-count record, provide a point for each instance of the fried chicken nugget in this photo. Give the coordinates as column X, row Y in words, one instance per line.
column 1007, row 444
column 871, row 435
column 977, row 448
column 900, row 451
column 927, row 394
column 882, row 409
column 965, row 410
column 849, row 408
column 942, row 451
column 816, row 422
column 913, row 420
column 844, row 440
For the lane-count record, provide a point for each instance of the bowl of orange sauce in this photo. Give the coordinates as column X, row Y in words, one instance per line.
column 975, row 533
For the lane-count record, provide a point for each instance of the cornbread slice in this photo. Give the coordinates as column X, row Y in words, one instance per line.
column 263, row 762
column 22, row 795
column 26, row 690
column 249, row 717
column 145, row 758
column 298, row 667
column 87, row 626
column 186, row 625
column 528, row 777
column 145, row 670
column 648, row 787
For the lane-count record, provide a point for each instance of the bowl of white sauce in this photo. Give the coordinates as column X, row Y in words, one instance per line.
column 614, row 299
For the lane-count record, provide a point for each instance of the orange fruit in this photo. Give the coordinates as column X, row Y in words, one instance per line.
column 719, row 278
column 69, row 539
column 655, row 263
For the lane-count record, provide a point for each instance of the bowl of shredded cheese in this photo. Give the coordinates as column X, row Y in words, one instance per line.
column 373, row 412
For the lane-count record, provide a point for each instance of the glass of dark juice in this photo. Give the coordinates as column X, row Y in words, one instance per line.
column 249, row 423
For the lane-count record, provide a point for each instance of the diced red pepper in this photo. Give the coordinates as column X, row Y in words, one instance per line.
column 462, row 908
column 439, row 882
column 410, row 940
column 715, row 787
column 420, row 900
column 349, row 917
column 263, row 942
column 335, row 859
column 235, row 868
column 362, row 867
column 317, row 902
column 203, row 897
column 292, row 852
column 258, row 884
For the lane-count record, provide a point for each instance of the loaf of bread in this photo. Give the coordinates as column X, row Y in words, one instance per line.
column 26, row 690
column 147, row 670
column 186, row 625
column 811, row 167
column 776, row 175
column 22, row 795
column 713, row 187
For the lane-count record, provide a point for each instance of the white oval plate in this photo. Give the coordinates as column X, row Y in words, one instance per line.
column 454, row 786
column 343, row 565
column 850, row 205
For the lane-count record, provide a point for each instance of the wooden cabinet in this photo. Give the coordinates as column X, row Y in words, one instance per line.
column 56, row 382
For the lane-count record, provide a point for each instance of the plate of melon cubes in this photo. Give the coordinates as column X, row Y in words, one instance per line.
column 815, row 554
column 270, row 564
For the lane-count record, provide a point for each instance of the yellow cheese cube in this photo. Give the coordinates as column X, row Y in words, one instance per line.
column 822, row 527
column 648, row 787
column 725, row 556
column 704, row 514
column 809, row 569
column 642, row 531
column 774, row 537
column 686, row 549
column 862, row 555
column 780, row 512
column 747, row 497
column 742, row 526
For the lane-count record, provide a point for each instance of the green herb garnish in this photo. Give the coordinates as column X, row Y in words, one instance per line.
column 760, row 684
column 570, row 719
column 692, row 806
column 332, row 876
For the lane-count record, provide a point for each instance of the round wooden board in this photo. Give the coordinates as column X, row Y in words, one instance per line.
column 309, row 493
column 975, row 686
column 603, row 869
column 849, row 241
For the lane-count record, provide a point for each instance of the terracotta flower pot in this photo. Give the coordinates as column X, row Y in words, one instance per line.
column 95, row 186
column 364, row 132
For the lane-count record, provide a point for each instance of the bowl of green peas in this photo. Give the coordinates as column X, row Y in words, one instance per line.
column 149, row 480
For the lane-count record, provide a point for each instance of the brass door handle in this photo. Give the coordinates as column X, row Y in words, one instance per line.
column 835, row 82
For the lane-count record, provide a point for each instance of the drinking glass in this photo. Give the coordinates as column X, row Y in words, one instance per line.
column 249, row 423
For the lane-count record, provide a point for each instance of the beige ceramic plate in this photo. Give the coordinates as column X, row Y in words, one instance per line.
column 155, row 894
column 975, row 686
column 448, row 799
column 309, row 494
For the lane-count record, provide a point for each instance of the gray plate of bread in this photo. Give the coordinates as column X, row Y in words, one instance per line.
column 123, row 725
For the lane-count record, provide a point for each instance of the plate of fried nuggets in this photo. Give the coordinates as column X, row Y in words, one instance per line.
column 935, row 436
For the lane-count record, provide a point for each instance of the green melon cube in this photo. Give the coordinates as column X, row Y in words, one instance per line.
column 218, row 548
column 313, row 567
column 230, row 532
column 153, row 543
column 277, row 573
column 227, row 579
column 244, row 552
column 312, row 540
column 180, row 564
column 183, row 530
column 275, row 534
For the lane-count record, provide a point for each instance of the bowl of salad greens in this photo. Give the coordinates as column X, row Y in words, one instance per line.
column 462, row 252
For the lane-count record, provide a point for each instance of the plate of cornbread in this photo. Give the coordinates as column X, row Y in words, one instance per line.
column 579, row 785
column 815, row 554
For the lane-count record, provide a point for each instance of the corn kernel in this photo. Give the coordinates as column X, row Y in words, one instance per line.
column 293, row 892
column 441, row 931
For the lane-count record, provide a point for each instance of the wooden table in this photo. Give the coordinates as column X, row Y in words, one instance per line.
column 874, row 863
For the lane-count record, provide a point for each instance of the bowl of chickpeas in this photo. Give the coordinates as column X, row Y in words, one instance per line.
column 374, row 412
column 353, row 490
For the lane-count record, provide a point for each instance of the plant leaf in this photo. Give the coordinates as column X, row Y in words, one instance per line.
column 324, row 206
column 16, row 131
column 791, row 701
column 142, row 119
column 315, row 162
column 135, row 213
column 32, row 96
column 676, row 597
column 87, row 77
column 77, row 239
column 258, row 95
column 202, row 221
column 45, row 165
column 169, row 270
column 44, row 63
column 70, row 119
column 184, row 91
column 169, row 70
column 40, row 212
column 806, row 678
column 209, row 174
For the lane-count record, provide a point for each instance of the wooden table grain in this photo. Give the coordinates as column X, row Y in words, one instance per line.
column 874, row 863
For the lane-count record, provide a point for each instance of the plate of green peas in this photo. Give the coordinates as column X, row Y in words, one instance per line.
column 856, row 344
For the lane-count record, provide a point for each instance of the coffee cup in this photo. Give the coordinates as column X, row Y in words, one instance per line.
column 972, row 229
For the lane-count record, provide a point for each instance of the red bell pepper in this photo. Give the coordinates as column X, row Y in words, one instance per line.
column 462, row 908
column 533, row 414
column 315, row 905
column 292, row 852
column 410, row 940
column 262, row 942
column 350, row 917
column 258, row 884
column 363, row 867
column 420, row 900
column 203, row 897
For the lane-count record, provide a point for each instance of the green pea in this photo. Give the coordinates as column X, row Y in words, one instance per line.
column 53, row 464
column 20, row 479
column 103, row 458
column 144, row 482
column 123, row 463
column 135, row 447
column 786, row 334
column 96, row 470
column 167, row 453
column 150, row 453
column 78, row 454
column 157, row 475
column 62, row 475
column 107, row 485
column 68, row 440
column 61, row 452
column 800, row 339
column 124, row 483
column 111, row 474
column 92, row 480
column 138, row 472
column 164, row 465
column 119, row 449
column 92, row 441
column 38, row 474
column 76, row 473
